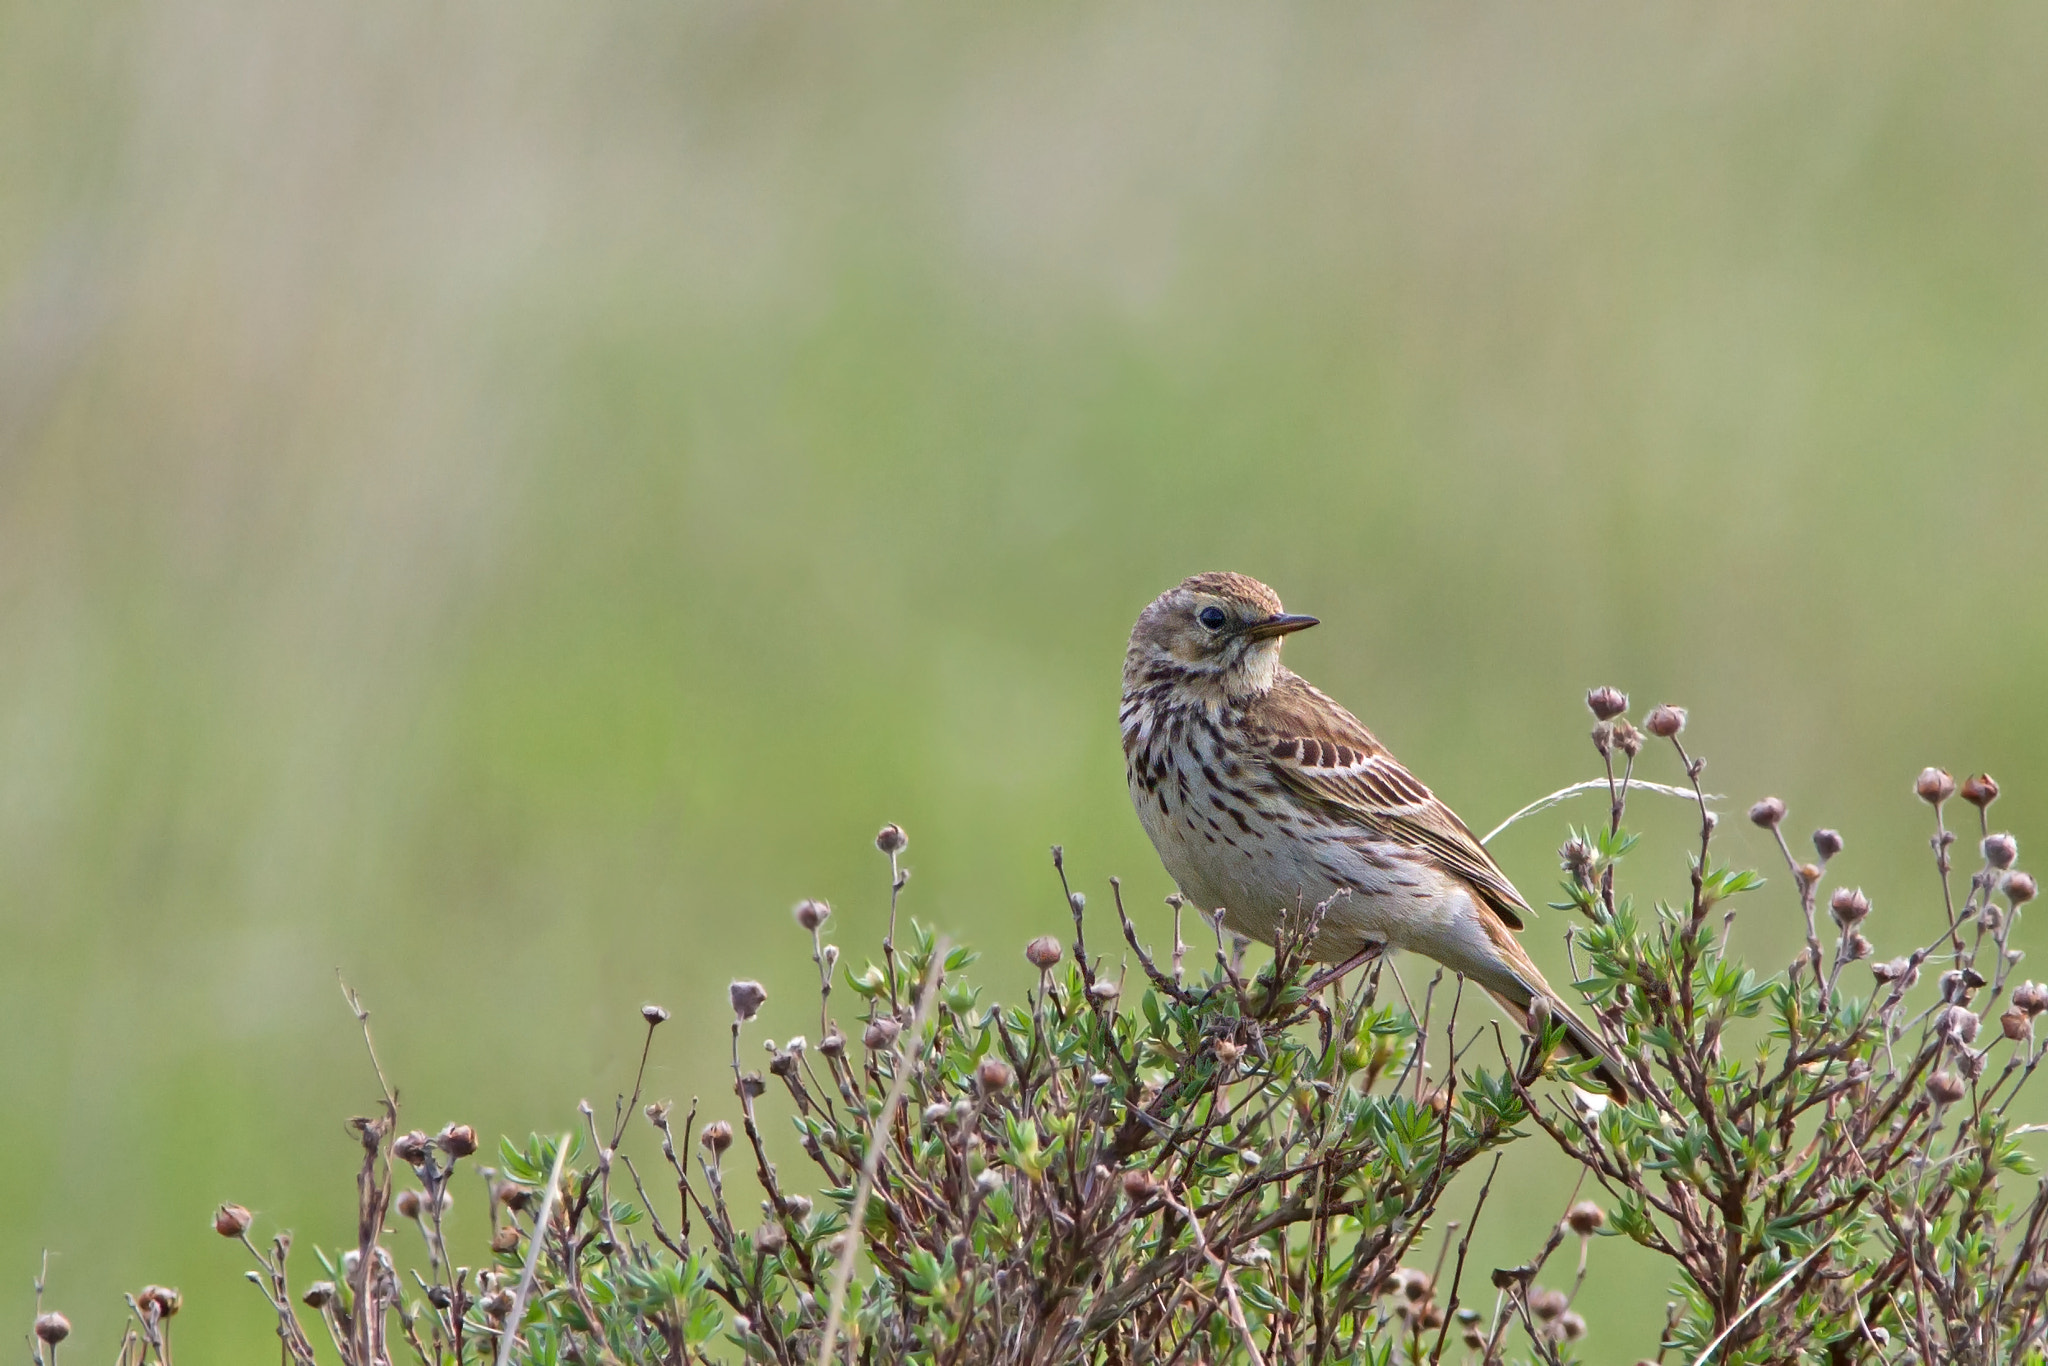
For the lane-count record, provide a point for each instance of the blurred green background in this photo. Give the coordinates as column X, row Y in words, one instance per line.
column 503, row 499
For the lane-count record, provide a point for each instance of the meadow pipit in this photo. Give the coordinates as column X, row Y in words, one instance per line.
column 1265, row 798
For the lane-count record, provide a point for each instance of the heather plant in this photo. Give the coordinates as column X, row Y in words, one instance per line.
column 1174, row 1157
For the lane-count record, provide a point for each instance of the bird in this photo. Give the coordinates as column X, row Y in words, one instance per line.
column 1265, row 798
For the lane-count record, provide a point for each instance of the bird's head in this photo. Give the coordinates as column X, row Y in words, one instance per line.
column 1217, row 631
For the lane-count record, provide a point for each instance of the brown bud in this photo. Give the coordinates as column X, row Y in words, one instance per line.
column 1856, row 947
column 1666, row 721
column 52, row 1328
column 1934, row 786
column 770, row 1238
column 1629, row 738
column 1140, row 1183
column 2017, row 1024
column 1227, row 1053
column 164, row 1299
column 457, row 1140
column 318, row 1295
column 1474, row 1339
column 833, row 1044
column 1429, row 1317
column 717, row 1136
column 1042, row 952
column 881, row 1032
column 1809, row 873
column 1827, row 843
column 747, row 998
column 1548, row 1304
column 1945, row 1088
column 2031, row 997
column 1576, row 856
column 994, row 1076
column 1104, row 991
column 1607, row 703
column 1766, row 814
column 1958, row 1024
column 1980, row 791
column 231, row 1221
column 653, row 1013
column 411, row 1148
column 408, row 1204
column 1416, row 1285
column 811, row 914
column 1603, row 737
column 1848, row 906
column 1586, row 1218
column 506, row 1239
column 892, row 840
column 497, row 1304
column 2020, row 888
column 2001, row 851
column 1572, row 1324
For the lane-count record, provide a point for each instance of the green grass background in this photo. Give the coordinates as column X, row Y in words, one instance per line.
column 503, row 499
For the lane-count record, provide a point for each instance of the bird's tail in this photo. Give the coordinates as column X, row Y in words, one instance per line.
column 1514, row 981
column 1607, row 1069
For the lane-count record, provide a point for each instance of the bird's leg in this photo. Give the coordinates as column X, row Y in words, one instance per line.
column 1329, row 975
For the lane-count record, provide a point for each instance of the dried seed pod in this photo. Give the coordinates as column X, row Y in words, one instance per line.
column 2031, row 997
column 2017, row 1024
column 747, row 998
column 1043, row 952
column 2019, row 887
column 408, row 1204
column 1607, row 703
column 717, row 1136
column 231, row 1221
column 1848, row 906
column 412, row 1148
column 1139, row 1184
column 1104, row 991
column 318, row 1295
column 52, row 1328
column 506, row 1239
column 833, row 1044
column 1934, row 786
column 1945, row 1088
column 881, row 1032
column 892, row 840
column 1827, row 843
column 457, row 1140
column 993, row 1076
column 1855, row 947
column 1628, row 738
column 1665, row 721
column 811, row 914
column 1572, row 1324
column 1980, row 791
column 2001, row 851
column 1548, row 1304
column 1586, row 1218
column 1766, row 814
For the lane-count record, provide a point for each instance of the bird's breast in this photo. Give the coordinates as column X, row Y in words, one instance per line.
column 1233, row 837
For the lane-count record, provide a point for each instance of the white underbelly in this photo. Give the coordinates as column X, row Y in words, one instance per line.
column 1278, row 870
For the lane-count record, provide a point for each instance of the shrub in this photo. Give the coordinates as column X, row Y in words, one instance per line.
column 1148, row 1163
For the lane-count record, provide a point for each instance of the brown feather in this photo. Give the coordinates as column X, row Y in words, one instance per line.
column 1306, row 733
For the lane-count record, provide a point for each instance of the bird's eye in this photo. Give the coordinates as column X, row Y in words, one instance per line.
column 1211, row 617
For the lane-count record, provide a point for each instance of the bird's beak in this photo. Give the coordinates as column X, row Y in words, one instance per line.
column 1279, row 624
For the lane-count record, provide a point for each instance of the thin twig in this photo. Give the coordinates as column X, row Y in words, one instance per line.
column 871, row 1163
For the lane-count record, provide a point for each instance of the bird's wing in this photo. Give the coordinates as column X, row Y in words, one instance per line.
column 1325, row 756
